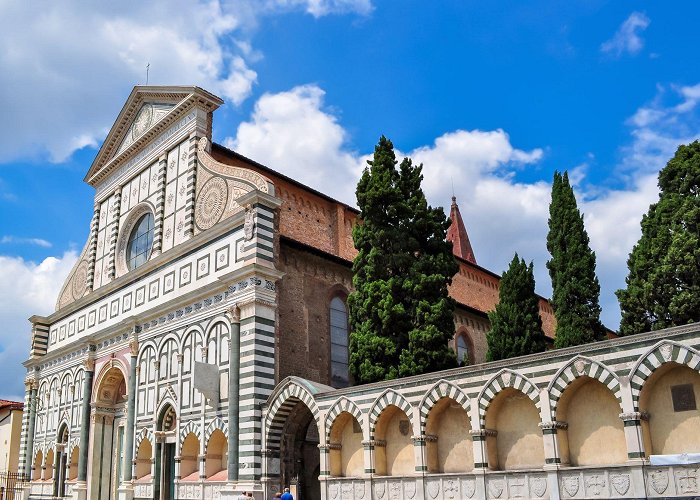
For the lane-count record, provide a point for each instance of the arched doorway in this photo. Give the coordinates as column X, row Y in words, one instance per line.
column 107, row 444
column 299, row 454
column 59, row 477
column 166, row 440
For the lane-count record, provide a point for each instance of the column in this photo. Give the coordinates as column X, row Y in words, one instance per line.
column 233, row 390
column 85, row 419
column 92, row 246
column 191, row 181
column 114, row 232
column 29, row 446
column 56, row 469
column 126, row 489
column 160, row 206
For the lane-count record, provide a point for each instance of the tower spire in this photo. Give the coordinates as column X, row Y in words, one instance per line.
column 457, row 234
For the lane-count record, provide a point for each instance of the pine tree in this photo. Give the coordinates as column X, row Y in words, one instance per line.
column 663, row 285
column 575, row 287
column 516, row 326
column 400, row 312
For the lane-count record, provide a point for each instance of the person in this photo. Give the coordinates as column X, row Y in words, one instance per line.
column 287, row 495
column 250, row 494
column 242, row 496
column 278, row 495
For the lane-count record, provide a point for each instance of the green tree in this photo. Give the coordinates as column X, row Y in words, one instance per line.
column 663, row 284
column 575, row 287
column 516, row 326
column 400, row 312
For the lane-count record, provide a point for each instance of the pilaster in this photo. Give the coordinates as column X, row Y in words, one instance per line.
column 114, row 232
column 160, row 206
column 92, row 246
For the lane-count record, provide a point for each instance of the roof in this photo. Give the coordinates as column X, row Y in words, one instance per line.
column 457, row 234
column 6, row 404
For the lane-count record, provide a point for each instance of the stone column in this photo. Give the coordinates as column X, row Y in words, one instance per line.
column 29, row 446
column 126, row 489
column 114, row 232
column 80, row 488
column 160, row 207
column 57, row 469
column 92, row 246
column 233, row 392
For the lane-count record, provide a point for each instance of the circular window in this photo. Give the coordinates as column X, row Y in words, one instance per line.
column 138, row 248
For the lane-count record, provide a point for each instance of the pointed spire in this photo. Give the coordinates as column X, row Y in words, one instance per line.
column 457, row 234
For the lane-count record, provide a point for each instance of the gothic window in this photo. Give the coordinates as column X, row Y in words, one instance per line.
column 340, row 375
column 138, row 247
column 462, row 351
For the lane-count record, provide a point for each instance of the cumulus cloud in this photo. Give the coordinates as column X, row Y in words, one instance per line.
column 26, row 288
column 627, row 38
column 296, row 134
column 58, row 62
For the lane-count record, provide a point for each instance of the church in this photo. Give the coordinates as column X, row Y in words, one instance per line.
column 199, row 348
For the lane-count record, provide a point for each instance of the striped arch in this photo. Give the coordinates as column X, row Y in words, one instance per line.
column 502, row 380
column 664, row 352
column 216, row 321
column 441, row 389
column 340, row 406
column 164, row 342
column 190, row 427
column 144, row 348
column 193, row 330
column 72, row 443
column 217, row 423
column 288, row 395
column 581, row 366
column 144, row 433
column 389, row 398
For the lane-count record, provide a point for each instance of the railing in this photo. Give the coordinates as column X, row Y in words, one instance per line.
column 11, row 485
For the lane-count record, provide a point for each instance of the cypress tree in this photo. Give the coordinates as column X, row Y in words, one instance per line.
column 663, row 284
column 400, row 312
column 516, row 326
column 575, row 287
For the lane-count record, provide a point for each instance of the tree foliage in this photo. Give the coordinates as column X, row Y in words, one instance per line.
column 575, row 287
column 516, row 326
column 400, row 312
column 663, row 284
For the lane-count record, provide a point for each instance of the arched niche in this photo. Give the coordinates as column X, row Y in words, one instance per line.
column 48, row 466
column 669, row 396
column 393, row 450
column 73, row 464
column 36, row 470
column 144, row 455
column 189, row 470
column 594, row 434
column 448, row 442
column 216, row 464
column 346, row 451
column 517, row 442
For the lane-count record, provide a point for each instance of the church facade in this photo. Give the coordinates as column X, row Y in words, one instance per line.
column 199, row 348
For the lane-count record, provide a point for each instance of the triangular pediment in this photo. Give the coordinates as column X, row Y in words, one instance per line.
column 146, row 113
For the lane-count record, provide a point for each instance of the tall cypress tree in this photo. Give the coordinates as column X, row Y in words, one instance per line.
column 516, row 326
column 400, row 312
column 663, row 285
column 575, row 287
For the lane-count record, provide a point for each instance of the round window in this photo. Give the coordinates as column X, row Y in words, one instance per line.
column 138, row 248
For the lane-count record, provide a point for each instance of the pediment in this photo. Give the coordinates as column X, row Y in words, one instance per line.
column 147, row 112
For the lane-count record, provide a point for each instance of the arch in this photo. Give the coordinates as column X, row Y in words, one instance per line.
column 218, row 320
column 189, row 452
column 143, row 457
column 388, row 398
column 48, row 465
column 169, row 337
column 588, row 425
column 281, row 403
column 442, row 389
column 345, row 447
column 63, row 431
column 581, row 366
column 144, row 348
column 127, row 226
column 339, row 341
column 663, row 352
column 190, row 427
column 37, row 464
column 506, row 379
column 216, row 424
column 448, row 444
column 513, row 435
column 110, row 379
column 216, row 455
column 394, row 451
column 73, row 458
column 463, row 333
column 340, row 406
column 165, row 415
column 195, row 331
column 144, row 433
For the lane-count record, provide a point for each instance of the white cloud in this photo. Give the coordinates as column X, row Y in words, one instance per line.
column 627, row 38
column 295, row 134
column 58, row 62
column 25, row 241
column 26, row 288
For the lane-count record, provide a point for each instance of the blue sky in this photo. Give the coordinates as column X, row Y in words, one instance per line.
column 491, row 96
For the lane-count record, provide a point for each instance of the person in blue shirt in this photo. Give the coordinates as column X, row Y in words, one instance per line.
column 287, row 495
